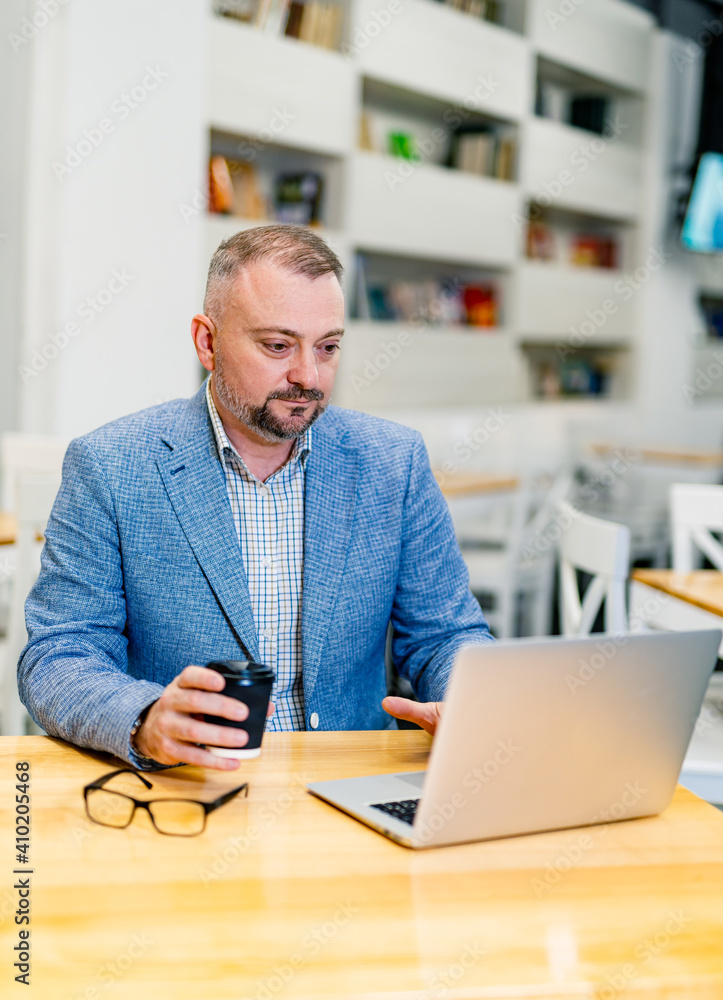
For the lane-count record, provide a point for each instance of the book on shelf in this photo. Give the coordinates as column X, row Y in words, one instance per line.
column 313, row 22
column 434, row 301
column 593, row 251
column 479, row 149
column 297, row 198
column 485, row 10
column 540, row 241
column 563, row 104
column 235, row 189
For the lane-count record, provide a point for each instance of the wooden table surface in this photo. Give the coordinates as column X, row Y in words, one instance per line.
column 8, row 529
column 283, row 895
column 455, row 484
column 704, row 588
column 664, row 456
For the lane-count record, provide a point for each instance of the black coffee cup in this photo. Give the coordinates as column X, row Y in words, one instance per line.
column 250, row 683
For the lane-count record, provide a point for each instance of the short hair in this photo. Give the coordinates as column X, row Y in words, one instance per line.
column 293, row 247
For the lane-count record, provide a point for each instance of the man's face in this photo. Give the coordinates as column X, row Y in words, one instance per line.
column 276, row 349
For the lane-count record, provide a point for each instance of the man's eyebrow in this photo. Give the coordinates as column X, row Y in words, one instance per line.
column 293, row 333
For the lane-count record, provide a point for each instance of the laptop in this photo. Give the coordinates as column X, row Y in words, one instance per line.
column 545, row 734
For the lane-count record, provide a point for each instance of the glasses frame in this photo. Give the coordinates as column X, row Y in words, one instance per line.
column 208, row 807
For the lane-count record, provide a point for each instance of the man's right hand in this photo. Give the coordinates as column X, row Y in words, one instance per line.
column 174, row 723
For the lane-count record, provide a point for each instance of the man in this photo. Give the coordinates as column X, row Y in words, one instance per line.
column 248, row 521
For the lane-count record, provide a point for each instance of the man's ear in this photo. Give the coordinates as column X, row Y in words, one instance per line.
column 204, row 333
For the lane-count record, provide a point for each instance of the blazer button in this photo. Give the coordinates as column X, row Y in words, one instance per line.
column 314, row 721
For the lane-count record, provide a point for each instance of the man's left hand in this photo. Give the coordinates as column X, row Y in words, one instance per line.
column 426, row 714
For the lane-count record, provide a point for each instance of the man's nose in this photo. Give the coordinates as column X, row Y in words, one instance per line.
column 303, row 371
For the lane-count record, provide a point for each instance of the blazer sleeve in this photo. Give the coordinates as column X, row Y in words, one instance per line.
column 434, row 613
column 73, row 673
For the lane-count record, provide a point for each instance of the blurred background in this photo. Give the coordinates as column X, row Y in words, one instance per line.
column 527, row 196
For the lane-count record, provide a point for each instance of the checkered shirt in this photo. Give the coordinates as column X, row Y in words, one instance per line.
column 269, row 521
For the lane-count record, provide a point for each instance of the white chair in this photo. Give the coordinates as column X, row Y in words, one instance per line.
column 22, row 455
column 695, row 512
column 520, row 569
column 601, row 549
column 35, row 496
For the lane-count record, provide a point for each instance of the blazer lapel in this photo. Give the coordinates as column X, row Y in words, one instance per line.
column 330, row 500
column 194, row 480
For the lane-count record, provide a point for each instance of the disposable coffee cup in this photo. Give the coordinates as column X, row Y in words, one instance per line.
column 250, row 683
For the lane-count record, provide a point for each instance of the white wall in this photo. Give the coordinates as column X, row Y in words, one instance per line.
column 117, row 211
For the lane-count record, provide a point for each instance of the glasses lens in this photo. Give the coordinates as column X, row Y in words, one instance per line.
column 179, row 817
column 109, row 808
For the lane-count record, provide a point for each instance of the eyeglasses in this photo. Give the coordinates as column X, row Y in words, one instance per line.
column 175, row 817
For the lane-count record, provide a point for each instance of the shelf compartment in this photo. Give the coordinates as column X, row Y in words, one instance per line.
column 430, row 49
column 279, row 89
column 387, row 365
column 553, row 300
column 435, row 212
column 606, row 182
column 609, row 39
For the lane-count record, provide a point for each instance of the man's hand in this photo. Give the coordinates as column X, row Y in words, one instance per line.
column 426, row 714
column 175, row 723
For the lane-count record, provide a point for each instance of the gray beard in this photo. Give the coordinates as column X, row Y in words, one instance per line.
column 260, row 419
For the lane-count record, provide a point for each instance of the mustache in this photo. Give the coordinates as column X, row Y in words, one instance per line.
column 297, row 394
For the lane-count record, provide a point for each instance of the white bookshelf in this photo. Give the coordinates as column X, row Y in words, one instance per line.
column 601, row 176
column 433, row 63
column 551, row 299
column 431, row 49
column 305, row 96
column 434, row 212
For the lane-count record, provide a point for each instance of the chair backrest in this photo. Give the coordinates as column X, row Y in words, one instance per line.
column 602, row 549
column 34, row 500
column 695, row 511
column 27, row 454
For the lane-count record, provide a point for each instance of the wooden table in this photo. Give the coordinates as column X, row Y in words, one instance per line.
column 8, row 529
column 665, row 456
column 702, row 589
column 458, row 484
column 283, row 895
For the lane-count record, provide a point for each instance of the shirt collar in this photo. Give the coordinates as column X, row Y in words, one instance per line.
column 299, row 453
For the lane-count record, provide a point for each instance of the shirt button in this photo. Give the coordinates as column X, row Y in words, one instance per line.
column 314, row 721
column 266, row 562
column 265, row 633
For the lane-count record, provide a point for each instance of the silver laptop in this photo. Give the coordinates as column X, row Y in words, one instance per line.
column 544, row 734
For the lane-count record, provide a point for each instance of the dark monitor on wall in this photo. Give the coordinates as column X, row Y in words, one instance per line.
column 703, row 224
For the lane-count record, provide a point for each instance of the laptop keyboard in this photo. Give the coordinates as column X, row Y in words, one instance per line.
column 403, row 810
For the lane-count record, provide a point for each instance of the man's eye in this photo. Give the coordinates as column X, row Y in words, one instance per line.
column 331, row 348
column 278, row 347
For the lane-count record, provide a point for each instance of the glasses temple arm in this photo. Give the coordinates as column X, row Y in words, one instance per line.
column 210, row 806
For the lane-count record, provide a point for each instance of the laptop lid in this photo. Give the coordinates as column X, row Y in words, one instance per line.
column 544, row 734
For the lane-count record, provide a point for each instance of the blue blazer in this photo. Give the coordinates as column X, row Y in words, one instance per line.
column 142, row 574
